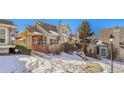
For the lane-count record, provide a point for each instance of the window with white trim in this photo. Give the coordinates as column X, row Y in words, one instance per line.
column 2, row 35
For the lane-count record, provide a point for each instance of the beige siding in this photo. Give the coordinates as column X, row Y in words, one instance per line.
column 121, row 54
column 118, row 34
column 8, row 37
column 28, row 41
column 4, row 50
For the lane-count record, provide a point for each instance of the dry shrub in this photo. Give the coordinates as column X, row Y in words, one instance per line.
column 93, row 55
column 55, row 49
column 62, row 47
column 92, row 67
column 79, row 45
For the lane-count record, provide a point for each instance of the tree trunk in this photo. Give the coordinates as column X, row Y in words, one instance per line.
column 85, row 49
column 84, row 46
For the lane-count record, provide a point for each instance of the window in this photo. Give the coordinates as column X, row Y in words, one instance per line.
column 2, row 36
column 103, row 52
column 41, row 41
column 35, row 41
column 52, row 41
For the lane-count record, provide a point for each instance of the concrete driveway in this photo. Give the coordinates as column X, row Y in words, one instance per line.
column 12, row 64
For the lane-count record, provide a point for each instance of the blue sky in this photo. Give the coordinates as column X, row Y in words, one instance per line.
column 96, row 24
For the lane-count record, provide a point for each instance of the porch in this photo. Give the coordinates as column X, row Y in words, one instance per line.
column 44, row 44
column 101, row 49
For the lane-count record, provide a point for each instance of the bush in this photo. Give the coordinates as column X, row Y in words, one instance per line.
column 92, row 67
column 69, row 47
column 65, row 47
column 54, row 49
column 93, row 55
column 62, row 47
column 79, row 45
column 23, row 50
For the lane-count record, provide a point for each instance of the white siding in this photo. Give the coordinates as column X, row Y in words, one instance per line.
column 6, row 35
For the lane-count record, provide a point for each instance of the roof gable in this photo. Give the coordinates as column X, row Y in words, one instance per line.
column 3, row 21
column 47, row 27
column 32, row 29
column 105, row 34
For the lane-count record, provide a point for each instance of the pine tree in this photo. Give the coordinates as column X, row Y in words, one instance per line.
column 85, row 35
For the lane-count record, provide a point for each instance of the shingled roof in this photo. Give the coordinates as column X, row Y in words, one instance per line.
column 47, row 27
column 3, row 21
column 32, row 29
column 105, row 33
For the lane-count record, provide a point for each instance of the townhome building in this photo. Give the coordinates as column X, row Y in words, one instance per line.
column 118, row 43
column 41, row 36
column 6, row 27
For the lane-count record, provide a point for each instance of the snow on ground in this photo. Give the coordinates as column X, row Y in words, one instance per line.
column 49, row 63
column 69, row 58
column 63, row 63
column 11, row 64
column 118, row 67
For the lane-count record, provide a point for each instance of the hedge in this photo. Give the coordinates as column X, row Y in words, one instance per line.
column 23, row 50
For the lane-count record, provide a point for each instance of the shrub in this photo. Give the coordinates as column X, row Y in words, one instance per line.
column 54, row 49
column 79, row 45
column 69, row 47
column 92, row 67
column 23, row 50
column 65, row 47
column 62, row 47
column 93, row 55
